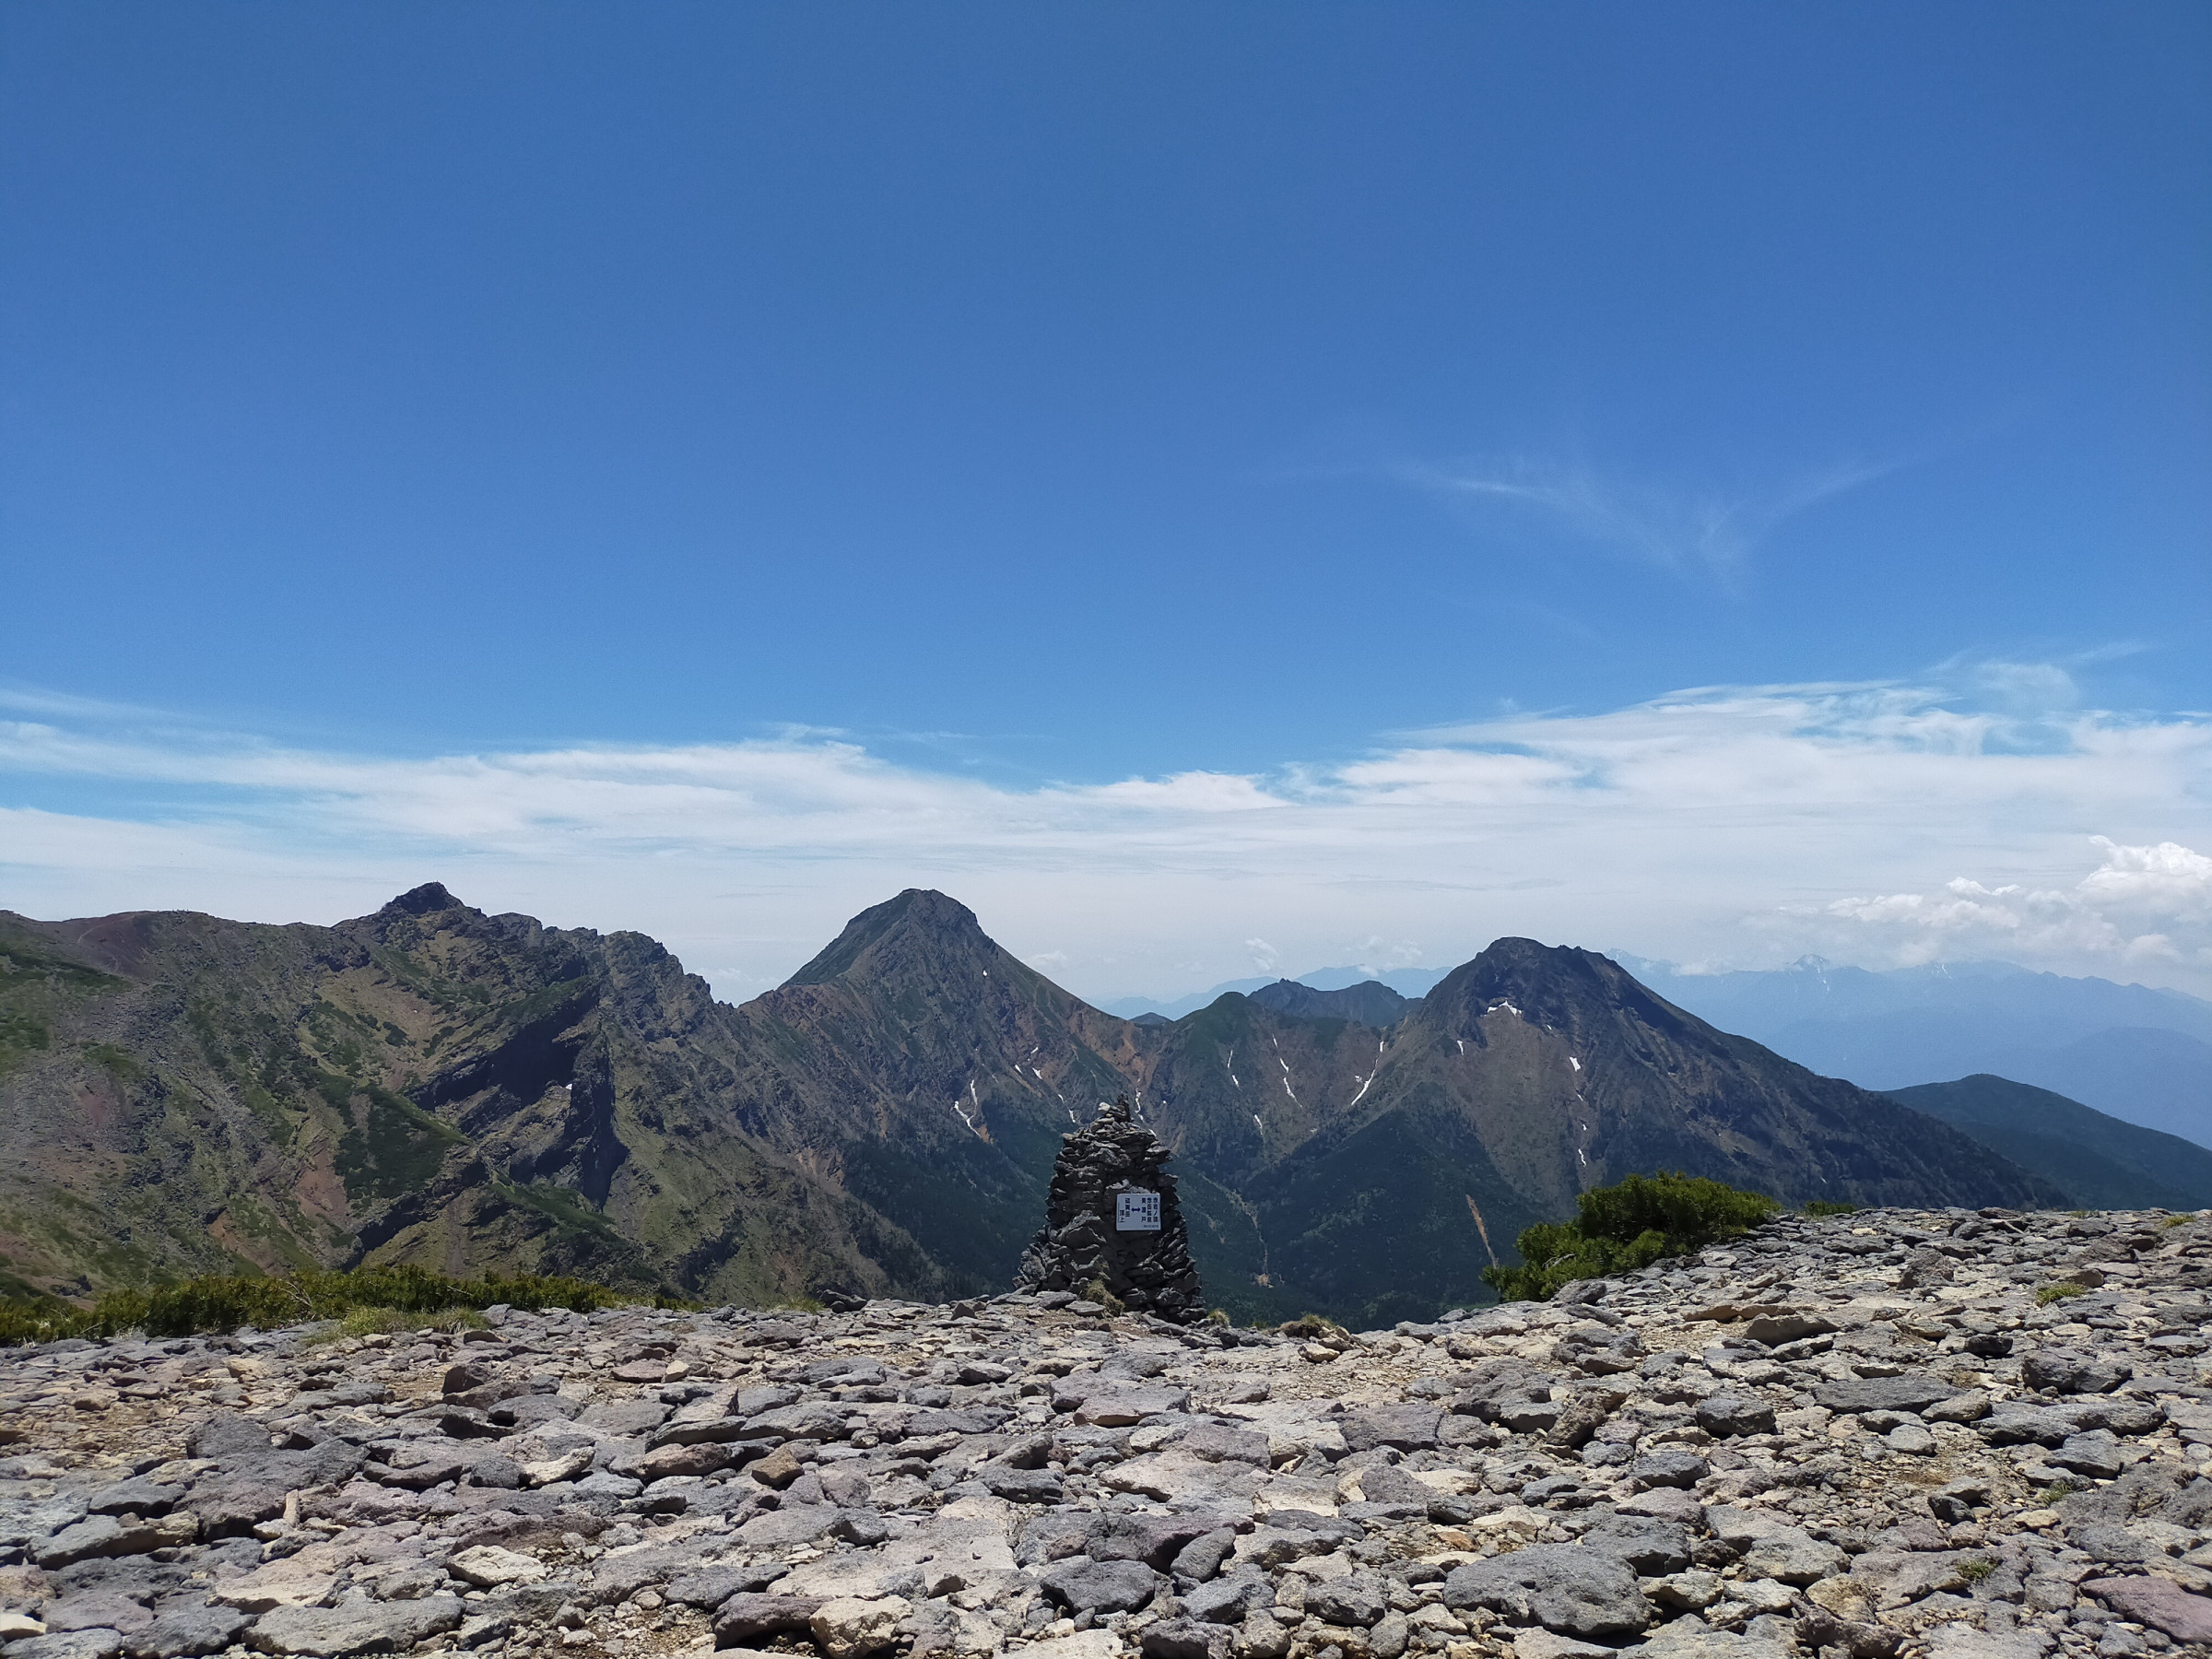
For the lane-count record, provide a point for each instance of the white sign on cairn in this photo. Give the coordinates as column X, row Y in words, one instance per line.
column 1137, row 1212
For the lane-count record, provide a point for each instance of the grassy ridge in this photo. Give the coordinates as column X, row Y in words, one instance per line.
column 224, row 1302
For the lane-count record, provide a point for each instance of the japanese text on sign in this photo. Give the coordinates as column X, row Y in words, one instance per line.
column 1137, row 1212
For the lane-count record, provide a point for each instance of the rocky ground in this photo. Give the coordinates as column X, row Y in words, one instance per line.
column 1866, row 1435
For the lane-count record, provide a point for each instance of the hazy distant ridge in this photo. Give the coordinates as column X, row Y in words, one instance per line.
column 2139, row 1053
column 1406, row 982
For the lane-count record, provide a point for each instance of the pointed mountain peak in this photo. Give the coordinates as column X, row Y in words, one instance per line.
column 920, row 926
column 1543, row 982
column 425, row 900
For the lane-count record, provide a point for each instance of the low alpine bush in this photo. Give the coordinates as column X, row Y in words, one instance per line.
column 1620, row 1229
column 225, row 1302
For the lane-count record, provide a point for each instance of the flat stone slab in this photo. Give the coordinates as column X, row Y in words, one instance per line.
column 1408, row 1428
column 353, row 1627
column 1884, row 1393
column 1572, row 1590
column 189, row 1634
column 2154, row 1601
column 68, row 1644
column 1083, row 1586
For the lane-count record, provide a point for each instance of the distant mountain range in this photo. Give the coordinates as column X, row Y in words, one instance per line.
column 1409, row 983
column 2099, row 1161
column 2139, row 1053
column 438, row 1085
column 1370, row 1003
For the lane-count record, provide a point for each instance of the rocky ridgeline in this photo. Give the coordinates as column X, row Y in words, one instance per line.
column 1864, row 1436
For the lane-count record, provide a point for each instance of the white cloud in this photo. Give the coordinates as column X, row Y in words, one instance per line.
column 1377, row 956
column 1878, row 823
column 2141, row 908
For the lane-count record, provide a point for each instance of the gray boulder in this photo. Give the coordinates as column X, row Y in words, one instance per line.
column 1668, row 1467
column 1725, row 1416
column 1884, row 1393
column 68, row 1644
column 1355, row 1599
column 1572, row 1590
column 1650, row 1546
column 2095, row 1454
column 1789, row 1555
column 1187, row 1639
column 1083, row 1586
column 1410, row 1427
column 1156, row 1540
column 2062, row 1370
column 712, row 1587
column 361, row 1627
column 1228, row 1600
column 746, row 1616
column 189, row 1633
column 1201, row 1558
column 2158, row 1602
column 1021, row 1485
column 97, row 1611
column 1218, row 1442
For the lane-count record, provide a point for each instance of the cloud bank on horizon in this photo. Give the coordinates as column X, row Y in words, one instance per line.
column 1882, row 824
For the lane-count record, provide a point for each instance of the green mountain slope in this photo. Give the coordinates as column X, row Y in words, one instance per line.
column 427, row 1084
column 1410, row 1159
column 2099, row 1161
column 432, row 1085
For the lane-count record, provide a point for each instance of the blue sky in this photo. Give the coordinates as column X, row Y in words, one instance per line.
column 1013, row 404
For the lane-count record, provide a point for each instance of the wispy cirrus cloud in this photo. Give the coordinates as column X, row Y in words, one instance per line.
column 1723, row 823
column 1711, row 532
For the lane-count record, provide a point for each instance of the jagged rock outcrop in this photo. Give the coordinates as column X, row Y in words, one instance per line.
column 1112, row 1221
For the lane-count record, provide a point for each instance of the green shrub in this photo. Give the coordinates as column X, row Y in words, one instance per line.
column 391, row 1322
column 39, row 1319
column 1976, row 1568
column 1620, row 1229
column 224, row 1302
column 2047, row 1294
column 1830, row 1206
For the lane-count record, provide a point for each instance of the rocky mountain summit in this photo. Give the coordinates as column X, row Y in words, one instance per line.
column 1900, row 1433
column 431, row 1085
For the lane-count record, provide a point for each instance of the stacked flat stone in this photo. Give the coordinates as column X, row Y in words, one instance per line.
column 1079, row 1244
column 1892, row 1435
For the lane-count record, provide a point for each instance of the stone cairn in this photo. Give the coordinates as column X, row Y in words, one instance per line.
column 1081, row 1243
